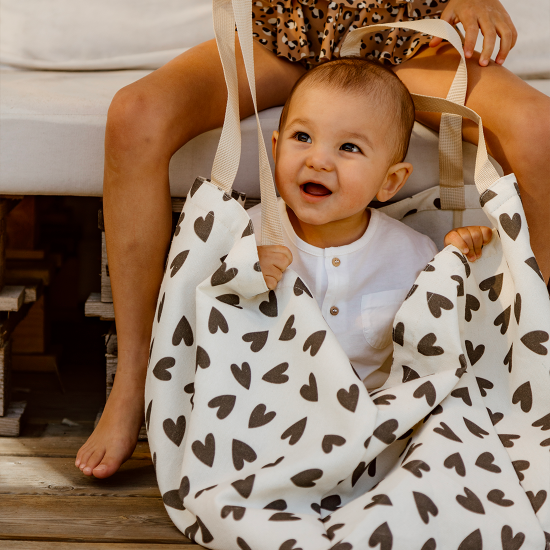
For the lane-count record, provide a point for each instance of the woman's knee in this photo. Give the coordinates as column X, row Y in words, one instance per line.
column 137, row 123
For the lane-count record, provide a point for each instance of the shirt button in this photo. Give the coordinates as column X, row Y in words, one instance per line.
column 335, row 262
column 334, row 310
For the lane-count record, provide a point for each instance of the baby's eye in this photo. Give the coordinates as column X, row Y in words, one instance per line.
column 349, row 147
column 302, row 136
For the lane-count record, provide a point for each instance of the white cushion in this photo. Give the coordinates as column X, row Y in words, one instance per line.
column 100, row 34
column 52, row 137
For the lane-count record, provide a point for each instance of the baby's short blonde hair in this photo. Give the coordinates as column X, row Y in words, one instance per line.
column 375, row 81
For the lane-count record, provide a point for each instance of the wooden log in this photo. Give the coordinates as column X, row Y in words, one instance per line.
column 87, row 519
column 17, row 269
column 30, row 335
column 16, row 254
column 111, row 341
column 34, row 362
column 11, row 298
column 111, row 365
column 106, row 294
column 10, row 423
column 5, row 377
column 9, row 321
column 94, row 307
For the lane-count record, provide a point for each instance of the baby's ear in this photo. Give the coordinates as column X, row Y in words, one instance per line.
column 396, row 178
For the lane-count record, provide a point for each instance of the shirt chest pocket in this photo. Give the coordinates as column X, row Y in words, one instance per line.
column 377, row 314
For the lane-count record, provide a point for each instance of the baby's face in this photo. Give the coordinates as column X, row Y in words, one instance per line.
column 332, row 156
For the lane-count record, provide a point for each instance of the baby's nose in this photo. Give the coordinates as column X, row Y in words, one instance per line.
column 320, row 159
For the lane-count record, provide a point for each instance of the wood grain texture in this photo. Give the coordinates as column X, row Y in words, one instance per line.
column 11, row 298
column 42, row 545
column 5, row 377
column 106, row 294
column 86, row 519
column 55, row 447
column 94, row 307
column 30, row 334
column 59, row 476
column 10, row 423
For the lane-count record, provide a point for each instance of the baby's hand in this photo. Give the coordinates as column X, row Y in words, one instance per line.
column 274, row 260
column 470, row 240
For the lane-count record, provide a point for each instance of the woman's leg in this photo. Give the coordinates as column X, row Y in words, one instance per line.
column 516, row 126
column 148, row 122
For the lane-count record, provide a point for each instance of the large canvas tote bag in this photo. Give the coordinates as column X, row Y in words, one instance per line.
column 263, row 437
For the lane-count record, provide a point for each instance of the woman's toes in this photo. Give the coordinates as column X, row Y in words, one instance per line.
column 93, row 461
column 107, row 467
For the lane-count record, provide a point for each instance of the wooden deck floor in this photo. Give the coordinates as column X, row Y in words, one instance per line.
column 46, row 503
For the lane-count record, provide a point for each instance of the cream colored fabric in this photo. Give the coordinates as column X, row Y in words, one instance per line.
column 100, row 34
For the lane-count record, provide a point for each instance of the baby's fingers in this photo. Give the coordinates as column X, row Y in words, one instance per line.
column 457, row 239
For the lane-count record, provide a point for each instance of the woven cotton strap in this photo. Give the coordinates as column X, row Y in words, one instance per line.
column 226, row 162
column 451, row 179
column 485, row 174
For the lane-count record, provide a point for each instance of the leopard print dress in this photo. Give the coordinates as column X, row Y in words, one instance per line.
column 311, row 32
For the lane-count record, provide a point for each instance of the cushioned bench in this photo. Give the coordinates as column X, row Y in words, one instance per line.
column 52, row 122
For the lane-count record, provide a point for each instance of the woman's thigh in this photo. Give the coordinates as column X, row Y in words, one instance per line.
column 188, row 95
column 500, row 97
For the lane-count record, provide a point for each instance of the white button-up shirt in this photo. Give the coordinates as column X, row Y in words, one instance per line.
column 360, row 286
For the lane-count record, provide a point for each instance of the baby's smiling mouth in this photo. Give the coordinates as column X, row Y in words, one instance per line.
column 315, row 189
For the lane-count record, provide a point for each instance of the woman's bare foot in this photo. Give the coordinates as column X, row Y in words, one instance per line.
column 115, row 437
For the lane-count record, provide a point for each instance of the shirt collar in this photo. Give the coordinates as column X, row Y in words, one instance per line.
column 334, row 250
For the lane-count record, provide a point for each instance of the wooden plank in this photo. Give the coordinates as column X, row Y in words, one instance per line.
column 10, row 423
column 59, row 476
column 94, row 307
column 11, row 298
column 87, row 519
column 16, row 254
column 34, row 362
column 43, row 545
column 3, row 239
column 10, row 320
column 30, row 269
column 33, row 291
column 22, row 226
column 106, row 293
column 54, row 446
column 111, row 341
column 30, row 334
column 5, row 377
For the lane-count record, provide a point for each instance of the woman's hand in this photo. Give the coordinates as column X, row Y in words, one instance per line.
column 273, row 261
column 469, row 240
column 491, row 18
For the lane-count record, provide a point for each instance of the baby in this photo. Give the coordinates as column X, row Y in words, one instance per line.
column 342, row 139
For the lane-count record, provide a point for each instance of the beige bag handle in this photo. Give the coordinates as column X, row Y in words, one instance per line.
column 226, row 162
column 451, row 178
column 485, row 173
column 227, row 158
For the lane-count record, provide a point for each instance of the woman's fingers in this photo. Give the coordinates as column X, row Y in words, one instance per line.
column 471, row 28
column 508, row 37
column 446, row 15
column 489, row 32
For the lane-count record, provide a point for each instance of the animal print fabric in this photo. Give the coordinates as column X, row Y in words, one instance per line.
column 311, row 31
column 263, row 438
